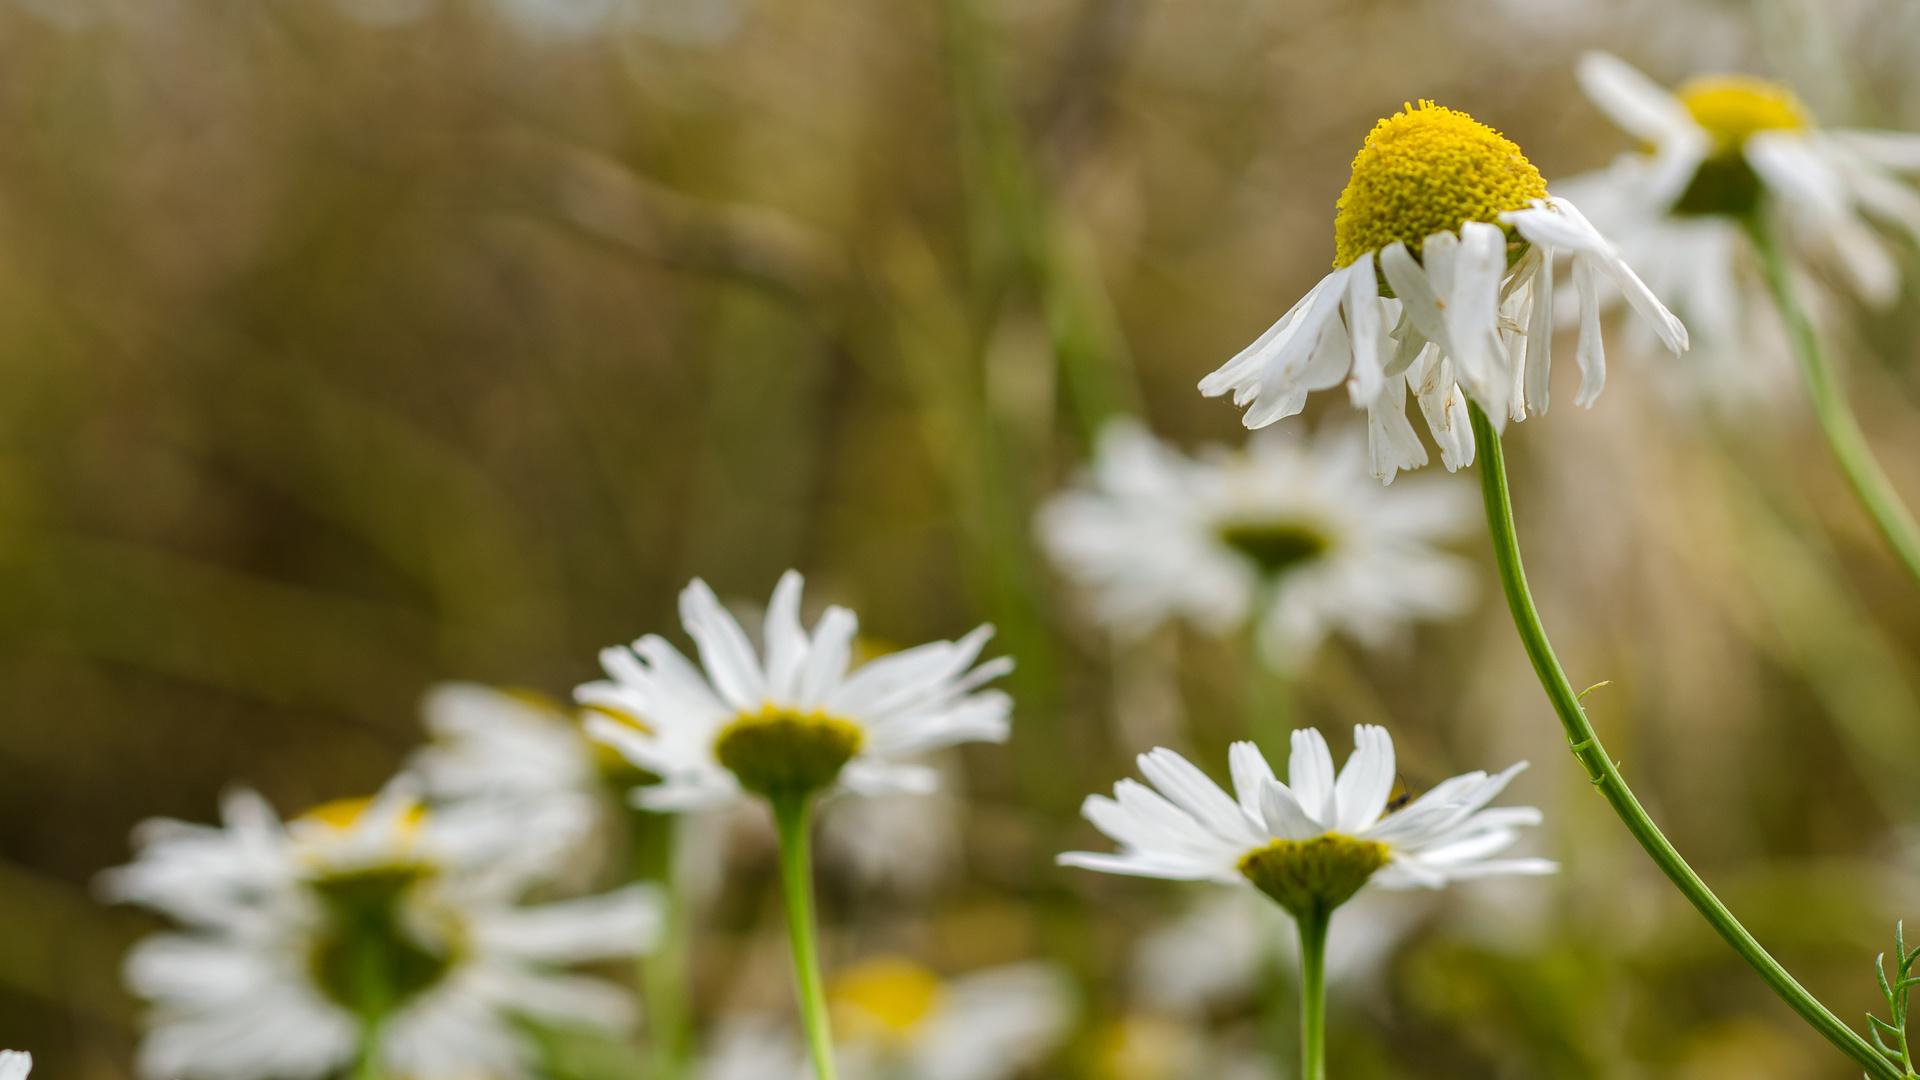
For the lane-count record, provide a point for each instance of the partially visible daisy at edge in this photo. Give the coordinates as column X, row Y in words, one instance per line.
column 15, row 1064
column 1444, row 245
column 366, row 927
column 1720, row 149
column 793, row 718
column 1281, row 533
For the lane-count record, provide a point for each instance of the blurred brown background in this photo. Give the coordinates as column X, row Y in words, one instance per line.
column 347, row 345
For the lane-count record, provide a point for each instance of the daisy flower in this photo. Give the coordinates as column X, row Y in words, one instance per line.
column 898, row 1020
column 1721, row 149
column 15, row 1064
column 1444, row 244
column 1312, row 843
column 796, row 720
column 1281, row 534
column 366, row 926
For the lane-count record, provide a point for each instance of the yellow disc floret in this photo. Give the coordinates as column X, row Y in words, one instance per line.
column 1426, row 170
column 1732, row 107
column 885, row 996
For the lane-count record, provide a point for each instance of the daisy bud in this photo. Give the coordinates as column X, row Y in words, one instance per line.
column 783, row 754
column 1318, row 875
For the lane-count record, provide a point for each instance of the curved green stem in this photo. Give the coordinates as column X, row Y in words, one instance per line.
column 1606, row 778
column 1849, row 444
column 1313, row 994
column 793, row 820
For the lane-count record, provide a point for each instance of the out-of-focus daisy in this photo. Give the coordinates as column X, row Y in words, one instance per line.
column 897, row 1020
column 1148, row 1046
column 1458, row 226
column 15, row 1064
column 1283, row 532
column 900, row 1019
column 795, row 720
column 1721, row 149
column 1315, row 840
column 366, row 923
column 1217, row 950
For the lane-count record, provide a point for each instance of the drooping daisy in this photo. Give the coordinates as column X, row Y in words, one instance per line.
column 1444, row 244
column 1282, row 532
column 365, row 923
column 795, row 720
column 1722, row 149
column 1313, row 842
column 897, row 1020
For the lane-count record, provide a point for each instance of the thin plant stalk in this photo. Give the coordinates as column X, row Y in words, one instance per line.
column 366, row 1065
column 662, row 972
column 1605, row 775
column 1876, row 493
column 793, row 821
column 1269, row 694
column 1313, row 994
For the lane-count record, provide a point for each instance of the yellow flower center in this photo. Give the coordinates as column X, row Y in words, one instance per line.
column 783, row 754
column 1427, row 170
column 1733, row 107
column 1309, row 877
column 341, row 814
column 886, row 996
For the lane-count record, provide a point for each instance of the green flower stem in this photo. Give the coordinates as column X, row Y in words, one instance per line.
column 1837, row 422
column 793, row 820
column 366, row 1065
column 1605, row 776
column 1269, row 693
column 662, row 973
column 1313, row 993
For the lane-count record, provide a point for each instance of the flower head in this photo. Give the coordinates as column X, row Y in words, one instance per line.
column 1455, row 222
column 1428, row 170
column 1315, row 841
column 300, row 937
column 1283, row 532
column 796, row 719
column 15, row 1064
column 1719, row 150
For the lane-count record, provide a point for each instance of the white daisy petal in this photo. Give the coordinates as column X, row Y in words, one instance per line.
column 1366, row 783
column 1310, row 775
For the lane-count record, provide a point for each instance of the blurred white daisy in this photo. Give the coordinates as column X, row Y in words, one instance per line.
column 1457, row 224
column 1721, row 149
column 897, row 1020
column 797, row 721
column 365, row 922
column 493, row 744
column 1314, row 841
column 15, row 1064
column 1285, row 532
column 1217, row 950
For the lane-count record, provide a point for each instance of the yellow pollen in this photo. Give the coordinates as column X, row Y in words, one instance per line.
column 1426, row 170
column 341, row 814
column 1733, row 107
column 885, row 996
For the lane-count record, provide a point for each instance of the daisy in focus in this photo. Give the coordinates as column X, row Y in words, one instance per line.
column 366, row 934
column 1280, row 534
column 796, row 719
column 1312, row 843
column 898, row 1020
column 1444, row 245
column 1721, row 149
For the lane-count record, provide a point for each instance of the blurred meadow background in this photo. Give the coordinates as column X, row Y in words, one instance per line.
column 348, row 346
